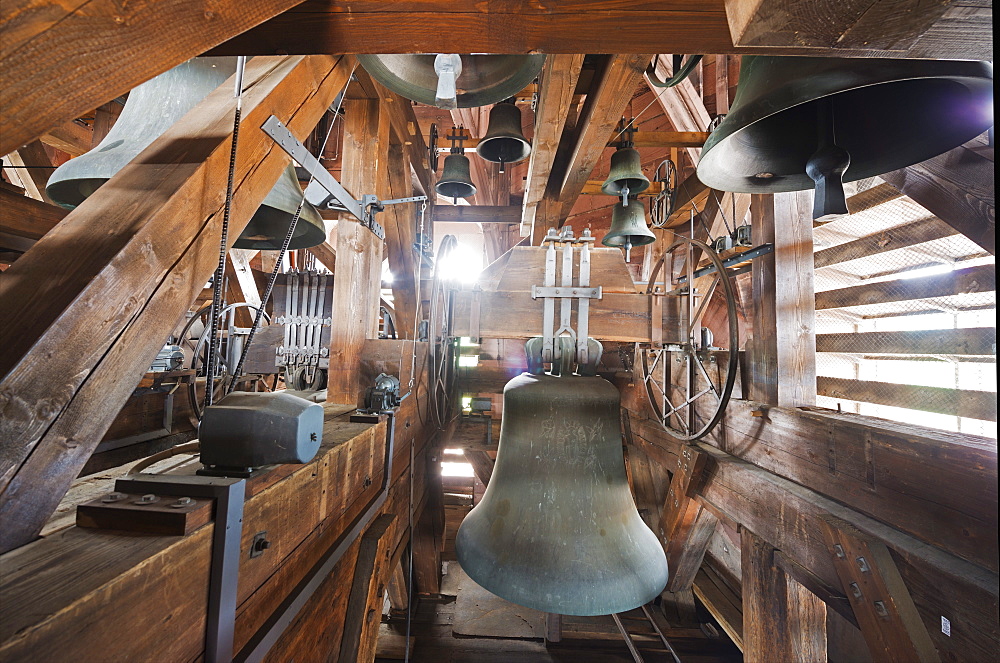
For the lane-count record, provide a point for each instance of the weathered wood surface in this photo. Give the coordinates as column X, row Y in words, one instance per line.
column 908, row 234
column 782, row 620
column 957, row 402
column 477, row 214
column 568, row 26
column 73, row 138
column 25, row 217
column 973, row 341
column 127, row 274
column 686, row 526
column 982, row 278
column 33, row 167
column 789, row 515
column 400, row 223
column 957, row 186
column 39, row 38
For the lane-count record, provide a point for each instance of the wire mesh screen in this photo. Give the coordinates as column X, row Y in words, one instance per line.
column 905, row 317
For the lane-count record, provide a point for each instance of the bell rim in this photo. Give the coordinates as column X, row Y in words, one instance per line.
column 526, row 152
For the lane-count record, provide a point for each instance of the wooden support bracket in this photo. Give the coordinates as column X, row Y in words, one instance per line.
column 687, row 526
column 885, row 612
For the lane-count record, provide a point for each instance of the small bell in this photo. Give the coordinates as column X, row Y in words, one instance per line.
column 628, row 228
column 504, row 143
column 455, row 180
column 626, row 177
column 801, row 123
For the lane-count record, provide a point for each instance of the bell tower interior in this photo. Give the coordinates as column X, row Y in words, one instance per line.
column 513, row 331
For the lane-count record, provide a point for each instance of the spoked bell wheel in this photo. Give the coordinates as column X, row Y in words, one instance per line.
column 442, row 350
column 689, row 376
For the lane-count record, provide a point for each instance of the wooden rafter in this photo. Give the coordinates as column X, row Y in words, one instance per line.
column 127, row 274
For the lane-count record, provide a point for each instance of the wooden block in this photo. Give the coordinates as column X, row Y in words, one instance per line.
column 131, row 514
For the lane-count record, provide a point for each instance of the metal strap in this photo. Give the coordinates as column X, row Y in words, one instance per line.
column 474, row 316
column 548, row 311
column 583, row 309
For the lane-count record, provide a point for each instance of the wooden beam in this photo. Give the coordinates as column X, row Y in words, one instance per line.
column 27, row 217
column 482, row 464
column 557, row 83
column 33, row 167
column 957, row 187
column 127, row 273
column 610, row 94
column 782, row 620
column 400, row 223
column 639, row 139
column 908, row 234
column 782, row 358
column 873, row 197
column 477, row 214
column 882, row 604
column 980, row 341
column 38, row 41
column 325, row 253
column 686, row 527
column 357, row 281
column 406, row 132
column 593, row 187
column 982, row 278
column 72, row 138
column 360, row 594
column 566, row 26
column 956, row 402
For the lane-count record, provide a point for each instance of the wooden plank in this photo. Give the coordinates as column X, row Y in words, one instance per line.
column 976, row 341
column 357, row 604
column 557, row 83
column 884, row 609
column 782, row 620
column 33, row 167
column 981, row 278
column 127, row 278
column 325, row 253
column 73, row 138
column 26, row 217
column 609, row 95
column 593, row 188
column 908, row 234
column 722, row 602
column 853, row 24
column 686, row 527
column 956, row 402
column 477, row 214
column 872, row 198
column 481, row 463
column 782, row 357
column 957, row 187
column 40, row 38
column 357, row 281
column 566, row 26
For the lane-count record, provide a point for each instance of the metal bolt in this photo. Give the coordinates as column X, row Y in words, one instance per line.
column 181, row 503
column 839, row 549
column 855, row 590
column 862, row 564
column 111, row 498
column 148, row 498
column 880, row 609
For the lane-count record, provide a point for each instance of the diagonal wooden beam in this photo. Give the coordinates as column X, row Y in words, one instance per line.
column 557, row 83
column 610, row 95
column 129, row 267
column 26, row 217
column 33, row 167
column 37, row 40
column 326, row 254
column 400, row 223
column 72, row 138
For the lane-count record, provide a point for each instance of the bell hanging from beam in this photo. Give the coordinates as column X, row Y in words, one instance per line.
column 814, row 123
column 451, row 80
column 150, row 110
column 625, row 177
column 504, row 143
column 557, row 529
column 456, row 181
column 628, row 228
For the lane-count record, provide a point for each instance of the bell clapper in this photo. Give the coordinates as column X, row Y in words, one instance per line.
column 827, row 165
column 625, row 192
column 628, row 250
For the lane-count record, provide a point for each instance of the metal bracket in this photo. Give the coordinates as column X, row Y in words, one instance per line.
column 229, row 494
column 564, row 292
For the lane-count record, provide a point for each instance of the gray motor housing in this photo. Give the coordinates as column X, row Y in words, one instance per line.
column 252, row 429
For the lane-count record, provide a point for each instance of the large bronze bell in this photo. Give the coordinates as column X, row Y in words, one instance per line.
column 801, row 123
column 628, row 228
column 504, row 142
column 150, row 110
column 482, row 79
column 626, row 177
column 455, row 180
column 557, row 529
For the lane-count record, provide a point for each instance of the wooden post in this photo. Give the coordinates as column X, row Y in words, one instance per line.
column 400, row 234
column 360, row 622
column 782, row 620
column 129, row 266
column 428, row 533
column 357, row 281
column 687, row 526
column 782, row 357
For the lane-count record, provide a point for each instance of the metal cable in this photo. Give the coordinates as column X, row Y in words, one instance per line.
column 220, row 270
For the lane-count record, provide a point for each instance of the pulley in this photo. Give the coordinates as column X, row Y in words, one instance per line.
column 628, row 228
column 802, row 123
column 557, row 529
column 477, row 80
column 504, row 142
column 150, row 110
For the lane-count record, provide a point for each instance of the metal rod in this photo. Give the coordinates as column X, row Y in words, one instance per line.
column 628, row 639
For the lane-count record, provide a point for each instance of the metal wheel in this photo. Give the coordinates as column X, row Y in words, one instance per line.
column 688, row 379
column 442, row 350
column 229, row 350
column 662, row 206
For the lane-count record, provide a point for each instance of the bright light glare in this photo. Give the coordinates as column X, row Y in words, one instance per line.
column 463, row 264
column 468, row 361
column 454, row 452
column 386, row 274
column 456, row 470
